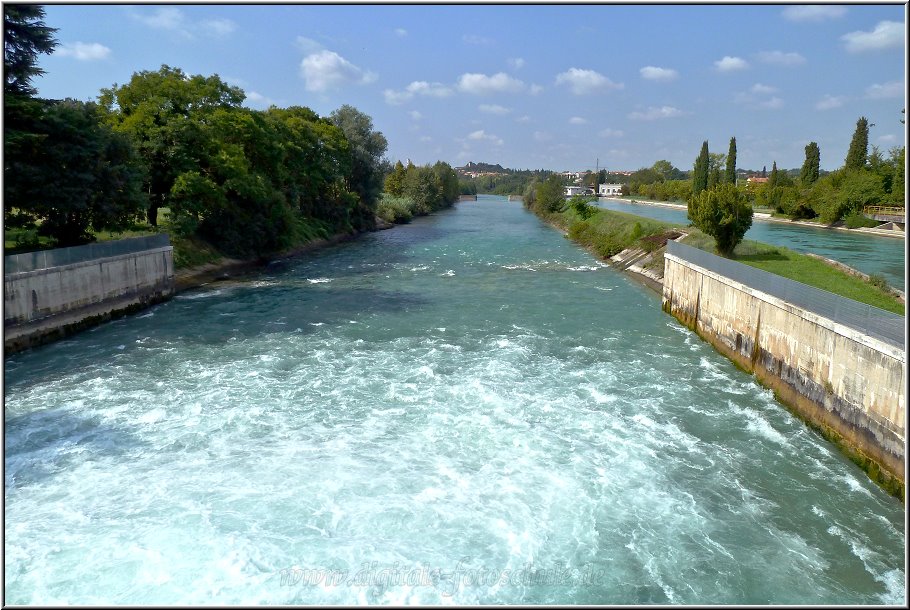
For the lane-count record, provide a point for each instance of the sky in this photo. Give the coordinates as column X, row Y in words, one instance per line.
column 558, row 87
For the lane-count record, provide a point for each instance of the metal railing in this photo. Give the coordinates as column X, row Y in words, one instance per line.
column 869, row 320
column 45, row 259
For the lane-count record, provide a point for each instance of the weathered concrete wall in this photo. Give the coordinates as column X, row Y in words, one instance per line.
column 467, row 198
column 849, row 386
column 44, row 303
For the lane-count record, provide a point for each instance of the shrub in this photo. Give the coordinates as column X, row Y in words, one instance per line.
column 723, row 213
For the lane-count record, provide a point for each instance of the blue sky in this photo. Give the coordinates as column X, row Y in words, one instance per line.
column 528, row 86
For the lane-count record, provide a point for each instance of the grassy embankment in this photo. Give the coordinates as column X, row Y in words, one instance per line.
column 188, row 251
column 607, row 233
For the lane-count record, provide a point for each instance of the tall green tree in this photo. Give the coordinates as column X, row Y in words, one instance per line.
column 774, row 177
column 163, row 112
column 394, row 182
column 859, row 145
column 700, row 172
column 724, row 214
column 83, row 176
column 811, row 166
column 25, row 37
column 367, row 150
column 730, row 170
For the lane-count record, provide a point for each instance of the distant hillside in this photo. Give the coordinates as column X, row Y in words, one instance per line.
column 489, row 168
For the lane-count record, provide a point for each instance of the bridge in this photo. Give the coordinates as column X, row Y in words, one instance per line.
column 896, row 215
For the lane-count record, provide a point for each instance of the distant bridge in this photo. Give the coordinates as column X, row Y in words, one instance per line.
column 886, row 214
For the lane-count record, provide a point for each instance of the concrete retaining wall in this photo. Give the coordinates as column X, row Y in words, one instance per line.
column 849, row 386
column 48, row 303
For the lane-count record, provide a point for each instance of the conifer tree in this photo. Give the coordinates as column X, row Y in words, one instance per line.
column 730, row 173
column 857, row 153
column 809, row 173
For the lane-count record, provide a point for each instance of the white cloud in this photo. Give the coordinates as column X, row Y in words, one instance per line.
column 516, row 63
column 653, row 113
column 730, row 64
column 610, row 133
column 415, row 115
column 542, row 136
column 773, row 104
column 426, row 139
column 886, row 34
column 763, row 89
column 218, row 27
column 308, row 45
column 480, row 84
column 887, row 90
column 174, row 20
column 494, row 109
column 577, row 120
column 887, row 138
column 813, row 13
column 481, row 135
column 523, row 119
column 418, row 87
column 257, row 99
column 329, row 70
column 585, row 81
column 658, row 74
column 401, row 32
column 829, row 102
column 83, row 51
column 535, row 89
column 781, row 58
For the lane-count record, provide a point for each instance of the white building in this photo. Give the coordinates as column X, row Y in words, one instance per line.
column 572, row 191
column 609, row 190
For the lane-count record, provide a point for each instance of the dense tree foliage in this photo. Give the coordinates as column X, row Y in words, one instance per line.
column 700, row 171
column 546, row 195
column 414, row 191
column 367, row 148
column 859, row 145
column 810, row 170
column 723, row 213
column 730, row 170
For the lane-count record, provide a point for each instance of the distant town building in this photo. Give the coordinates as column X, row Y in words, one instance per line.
column 572, row 191
column 607, row 190
column 756, row 180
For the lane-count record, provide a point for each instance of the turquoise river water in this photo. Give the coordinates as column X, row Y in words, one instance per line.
column 864, row 252
column 467, row 409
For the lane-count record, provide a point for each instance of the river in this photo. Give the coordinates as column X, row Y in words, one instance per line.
column 467, row 409
column 867, row 253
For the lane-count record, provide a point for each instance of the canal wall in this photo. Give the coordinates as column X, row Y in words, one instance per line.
column 467, row 198
column 838, row 364
column 53, row 293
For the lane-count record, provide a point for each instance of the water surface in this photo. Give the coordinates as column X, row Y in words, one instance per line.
column 468, row 409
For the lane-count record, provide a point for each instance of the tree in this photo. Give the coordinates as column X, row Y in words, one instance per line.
column 367, row 150
column 163, row 112
column 549, row 195
column 809, row 172
column 764, row 171
column 772, row 180
column 856, row 154
column 25, row 36
column 665, row 169
column 898, row 159
column 84, row 175
column 724, row 214
column 394, row 182
column 700, row 173
column 715, row 175
column 730, row 173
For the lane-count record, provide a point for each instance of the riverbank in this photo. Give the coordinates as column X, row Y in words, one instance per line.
column 764, row 217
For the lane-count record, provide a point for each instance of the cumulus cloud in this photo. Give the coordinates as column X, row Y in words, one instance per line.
column 523, row 119
column 328, row 70
column 772, row 104
column 174, row 20
column 781, row 58
column 258, row 100
column 610, row 133
column 415, row 115
column 829, row 102
column 730, row 64
column 535, row 89
column 813, row 13
column 83, row 51
column 542, row 136
column 658, row 74
column 494, row 109
column 653, row 113
column 401, row 32
column 418, row 87
column 577, row 120
column 582, row 81
column 308, row 45
column 886, row 90
column 516, row 63
column 481, row 135
column 885, row 35
column 479, row 84
column 887, row 138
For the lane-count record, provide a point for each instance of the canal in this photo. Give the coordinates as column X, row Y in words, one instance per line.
column 864, row 252
column 467, row 409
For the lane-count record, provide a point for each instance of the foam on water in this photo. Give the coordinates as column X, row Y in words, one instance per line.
column 574, row 437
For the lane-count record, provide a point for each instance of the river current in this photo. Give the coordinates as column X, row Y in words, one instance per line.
column 468, row 409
